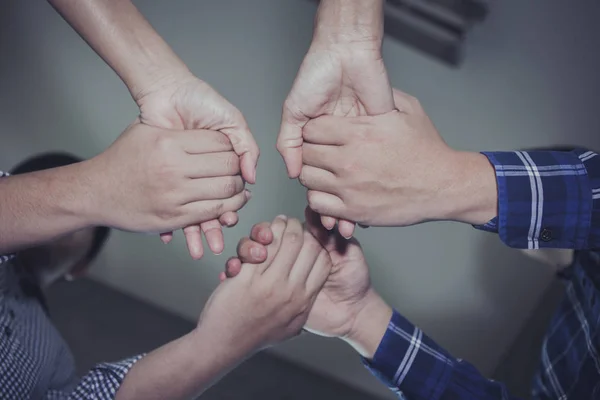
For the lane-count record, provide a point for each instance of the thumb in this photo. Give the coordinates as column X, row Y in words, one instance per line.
column 246, row 148
column 289, row 143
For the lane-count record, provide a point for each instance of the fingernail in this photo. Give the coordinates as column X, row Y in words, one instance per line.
column 255, row 252
column 283, row 217
column 248, row 194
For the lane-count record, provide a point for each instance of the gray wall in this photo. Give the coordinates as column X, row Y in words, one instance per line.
column 529, row 78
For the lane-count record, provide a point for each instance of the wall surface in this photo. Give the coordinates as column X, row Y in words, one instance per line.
column 530, row 78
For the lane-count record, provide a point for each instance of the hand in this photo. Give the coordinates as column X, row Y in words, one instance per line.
column 269, row 302
column 339, row 309
column 156, row 180
column 186, row 102
column 342, row 77
column 393, row 170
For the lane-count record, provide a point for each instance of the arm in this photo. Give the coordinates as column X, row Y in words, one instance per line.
column 125, row 40
column 349, row 21
column 261, row 307
column 540, row 198
column 167, row 93
column 141, row 183
column 413, row 365
column 181, row 369
column 43, row 205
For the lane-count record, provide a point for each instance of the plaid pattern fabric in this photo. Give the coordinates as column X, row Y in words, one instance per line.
column 35, row 362
column 546, row 199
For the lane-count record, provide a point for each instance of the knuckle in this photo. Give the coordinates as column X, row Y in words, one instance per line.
column 166, row 214
column 164, row 143
column 223, row 140
column 230, row 186
column 293, row 237
column 231, row 162
column 217, row 209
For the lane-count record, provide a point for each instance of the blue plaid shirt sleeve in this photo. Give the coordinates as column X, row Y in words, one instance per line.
column 103, row 381
column 5, row 257
column 547, row 199
column 416, row 368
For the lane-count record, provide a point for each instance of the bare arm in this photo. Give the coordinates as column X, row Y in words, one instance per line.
column 182, row 369
column 41, row 206
column 350, row 20
column 117, row 31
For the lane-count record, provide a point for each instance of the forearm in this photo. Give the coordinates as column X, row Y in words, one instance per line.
column 40, row 206
column 117, row 31
column 350, row 21
column 182, row 369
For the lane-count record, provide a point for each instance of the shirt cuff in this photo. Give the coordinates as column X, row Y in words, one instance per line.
column 104, row 380
column 410, row 363
column 6, row 257
column 544, row 199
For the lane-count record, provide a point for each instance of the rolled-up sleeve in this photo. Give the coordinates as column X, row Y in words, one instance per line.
column 5, row 257
column 103, row 381
column 547, row 199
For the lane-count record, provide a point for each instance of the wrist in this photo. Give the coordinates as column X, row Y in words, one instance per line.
column 346, row 22
column 369, row 325
column 158, row 77
column 472, row 195
column 88, row 191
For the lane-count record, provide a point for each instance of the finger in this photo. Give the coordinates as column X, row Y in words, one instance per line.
column 233, row 267
column 278, row 227
column 326, row 204
column 251, row 252
column 219, row 188
column 291, row 244
column 404, row 102
column 229, row 219
column 321, row 156
column 193, row 237
column 314, row 227
column 262, row 233
column 328, row 222
column 319, row 179
column 211, row 165
column 222, row 276
column 328, row 130
column 346, row 228
column 244, row 146
column 289, row 142
column 166, row 237
column 206, row 210
column 319, row 273
column 306, row 259
column 201, row 141
column 213, row 232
